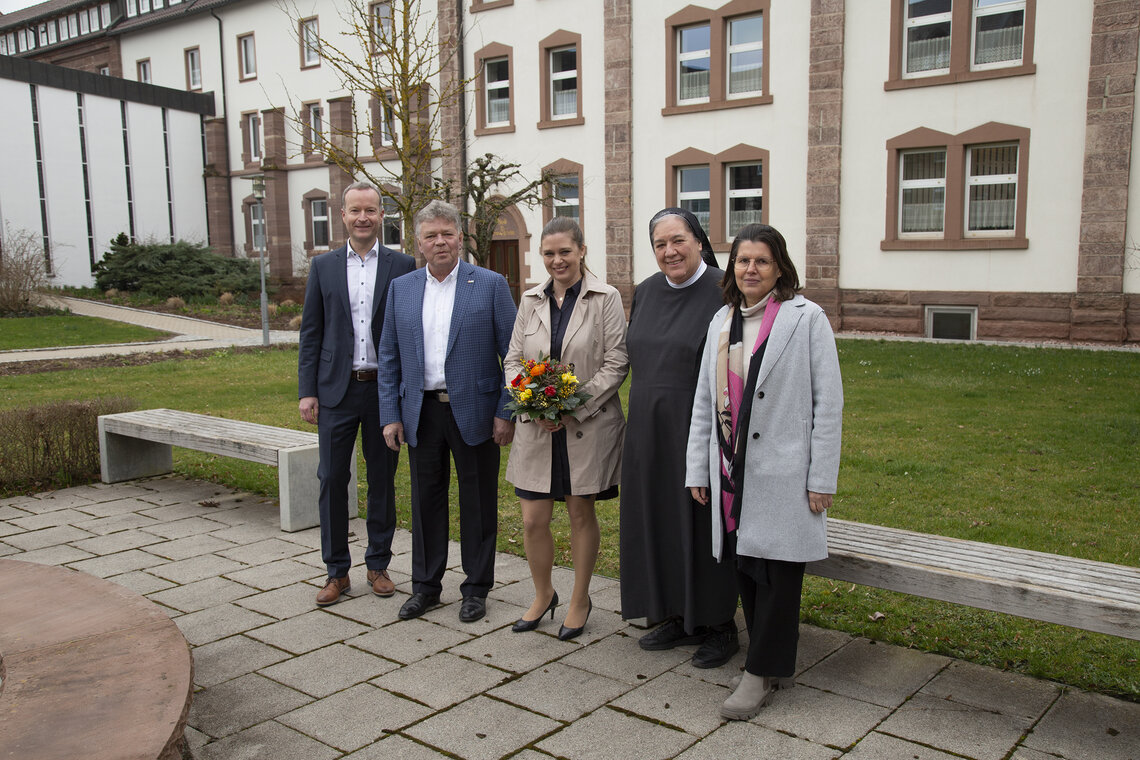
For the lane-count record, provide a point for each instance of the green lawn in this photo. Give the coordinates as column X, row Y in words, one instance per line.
column 1036, row 448
column 69, row 330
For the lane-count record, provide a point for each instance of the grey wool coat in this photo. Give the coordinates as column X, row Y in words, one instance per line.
column 793, row 437
column 594, row 343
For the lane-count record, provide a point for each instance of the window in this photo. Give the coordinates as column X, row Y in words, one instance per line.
column 495, row 108
column 922, row 192
column 957, row 192
column 382, row 26
column 144, row 6
column 952, row 322
column 320, row 212
column 51, row 38
column 927, row 36
column 745, row 56
column 132, row 8
column 105, row 71
column 251, row 138
column 143, row 68
column 717, row 58
column 310, row 43
column 694, row 60
column 486, row 5
column 257, row 225
column 393, row 225
column 991, row 179
column 724, row 191
column 944, row 41
column 693, row 192
column 562, row 195
column 105, row 14
column 193, row 69
column 247, row 57
column 745, row 195
column 84, row 23
column 561, row 85
column 383, row 124
column 313, row 125
column 998, row 32
column 566, row 196
column 73, row 25
column 498, row 91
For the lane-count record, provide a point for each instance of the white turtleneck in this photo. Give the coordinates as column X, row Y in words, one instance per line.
column 753, row 317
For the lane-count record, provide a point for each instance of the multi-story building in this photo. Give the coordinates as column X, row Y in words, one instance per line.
column 943, row 167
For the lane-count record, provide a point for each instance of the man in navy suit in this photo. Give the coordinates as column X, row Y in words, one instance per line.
column 446, row 331
column 336, row 380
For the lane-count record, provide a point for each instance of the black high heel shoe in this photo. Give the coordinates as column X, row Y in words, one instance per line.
column 522, row 625
column 565, row 634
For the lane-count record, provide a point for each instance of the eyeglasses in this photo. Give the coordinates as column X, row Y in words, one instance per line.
column 742, row 263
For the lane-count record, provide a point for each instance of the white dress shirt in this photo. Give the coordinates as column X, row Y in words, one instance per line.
column 361, row 287
column 439, row 298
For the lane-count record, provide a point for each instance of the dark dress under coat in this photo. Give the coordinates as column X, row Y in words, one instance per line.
column 666, row 567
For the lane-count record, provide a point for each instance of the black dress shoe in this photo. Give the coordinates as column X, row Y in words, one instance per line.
column 717, row 649
column 565, row 634
column 522, row 625
column 417, row 605
column 473, row 608
column 671, row 634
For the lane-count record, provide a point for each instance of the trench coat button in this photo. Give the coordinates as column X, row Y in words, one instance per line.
column 760, row 394
column 578, row 434
column 755, row 436
column 603, row 409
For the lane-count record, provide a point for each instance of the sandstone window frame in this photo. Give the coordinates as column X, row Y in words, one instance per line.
column 562, row 167
column 719, row 165
column 962, row 35
column 558, row 41
column 718, row 21
column 955, row 236
column 494, row 52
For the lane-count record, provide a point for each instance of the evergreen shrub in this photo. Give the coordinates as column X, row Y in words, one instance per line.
column 178, row 269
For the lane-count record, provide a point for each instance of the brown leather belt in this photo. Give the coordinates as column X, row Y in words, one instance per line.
column 440, row 396
column 364, row 375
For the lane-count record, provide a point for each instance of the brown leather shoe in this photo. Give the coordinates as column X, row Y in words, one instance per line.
column 381, row 584
column 330, row 594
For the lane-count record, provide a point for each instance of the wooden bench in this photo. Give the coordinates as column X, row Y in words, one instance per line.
column 91, row 669
column 1093, row 596
column 138, row 445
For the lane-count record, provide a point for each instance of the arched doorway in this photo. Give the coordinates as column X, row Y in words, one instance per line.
column 508, row 246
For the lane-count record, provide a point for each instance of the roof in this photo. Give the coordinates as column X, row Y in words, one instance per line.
column 169, row 13
column 49, row 9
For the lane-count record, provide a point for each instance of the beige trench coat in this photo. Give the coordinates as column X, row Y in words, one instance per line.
column 595, row 344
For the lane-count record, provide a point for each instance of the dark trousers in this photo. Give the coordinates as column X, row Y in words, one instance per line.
column 477, row 471
column 770, row 592
column 336, row 431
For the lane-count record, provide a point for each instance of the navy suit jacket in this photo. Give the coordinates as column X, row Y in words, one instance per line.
column 481, row 323
column 327, row 338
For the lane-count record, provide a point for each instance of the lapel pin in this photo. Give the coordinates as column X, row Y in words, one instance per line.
column 470, row 282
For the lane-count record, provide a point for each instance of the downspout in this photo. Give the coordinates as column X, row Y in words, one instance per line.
column 459, row 51
column 225, row 170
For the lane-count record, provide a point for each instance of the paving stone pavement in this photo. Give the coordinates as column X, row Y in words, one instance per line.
column 276, row 677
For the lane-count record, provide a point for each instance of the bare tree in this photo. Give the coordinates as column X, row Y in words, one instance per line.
column 23, row 270
column 389, row 55
column 485, row 176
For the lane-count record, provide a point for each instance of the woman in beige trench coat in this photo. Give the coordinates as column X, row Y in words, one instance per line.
column 576, row 319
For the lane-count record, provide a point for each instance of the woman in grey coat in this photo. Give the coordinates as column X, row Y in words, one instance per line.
column 764, row 448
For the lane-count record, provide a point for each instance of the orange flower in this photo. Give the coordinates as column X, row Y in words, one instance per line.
column 537, row 370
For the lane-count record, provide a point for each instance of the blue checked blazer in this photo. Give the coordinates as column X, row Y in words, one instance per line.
column 481, row 323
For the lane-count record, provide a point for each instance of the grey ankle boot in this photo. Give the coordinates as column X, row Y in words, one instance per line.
column 752, row 694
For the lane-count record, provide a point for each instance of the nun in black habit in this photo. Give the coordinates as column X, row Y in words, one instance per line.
column 668, row 573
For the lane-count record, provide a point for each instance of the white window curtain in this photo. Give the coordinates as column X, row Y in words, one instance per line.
column 922, row 191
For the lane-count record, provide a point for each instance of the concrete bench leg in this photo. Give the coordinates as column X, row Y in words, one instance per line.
column 124, row 458
column 299, row 489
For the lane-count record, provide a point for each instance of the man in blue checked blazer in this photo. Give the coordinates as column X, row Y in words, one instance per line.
column 336, row 380
column 442, row 391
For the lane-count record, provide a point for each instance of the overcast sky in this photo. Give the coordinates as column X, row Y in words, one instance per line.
column 7, row 6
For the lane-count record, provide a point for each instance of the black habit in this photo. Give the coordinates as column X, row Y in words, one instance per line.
column 667, row 567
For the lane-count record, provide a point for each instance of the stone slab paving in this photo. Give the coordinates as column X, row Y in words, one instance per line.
column 276, row 677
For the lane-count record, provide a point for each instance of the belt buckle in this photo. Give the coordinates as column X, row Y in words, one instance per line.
column 443, row 397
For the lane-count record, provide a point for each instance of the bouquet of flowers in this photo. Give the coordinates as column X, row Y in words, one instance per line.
column 545, row 389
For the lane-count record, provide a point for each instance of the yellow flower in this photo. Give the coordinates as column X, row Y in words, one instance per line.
column 569, row 379
column 525, row 395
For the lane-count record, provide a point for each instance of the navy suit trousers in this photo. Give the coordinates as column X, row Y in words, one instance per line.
column 336, row 429
column 477, row 471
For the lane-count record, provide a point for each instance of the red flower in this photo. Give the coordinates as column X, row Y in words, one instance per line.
column 549, row 391
column 517, row 381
